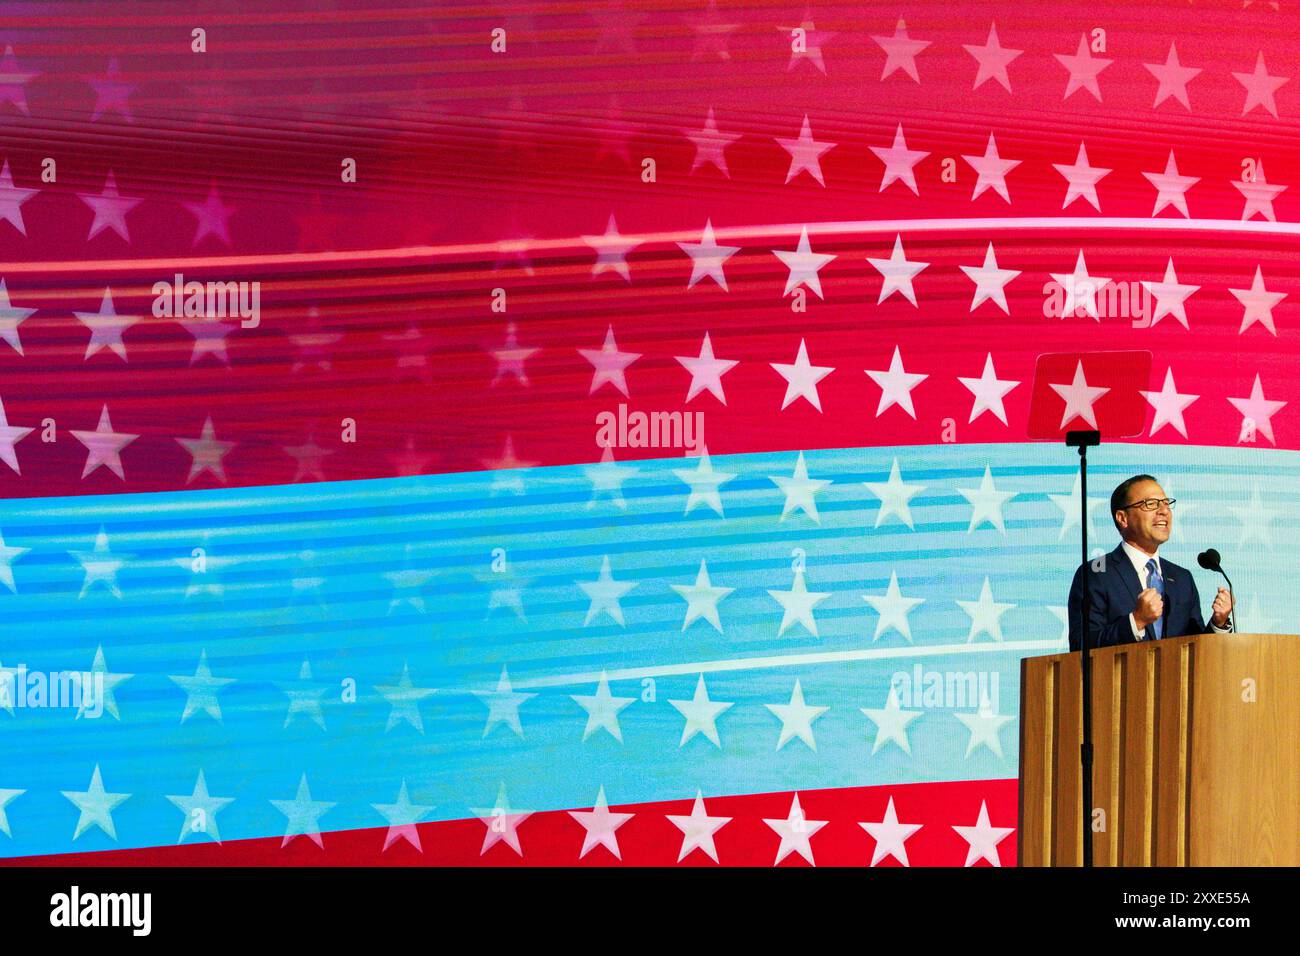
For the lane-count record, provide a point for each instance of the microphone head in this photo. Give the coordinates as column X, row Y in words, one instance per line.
column 1208, row 559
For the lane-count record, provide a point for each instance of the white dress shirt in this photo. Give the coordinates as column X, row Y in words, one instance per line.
column 1139, row 558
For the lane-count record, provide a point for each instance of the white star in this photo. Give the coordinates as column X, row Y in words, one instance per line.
column 1255, row 520
column 1173, row 77
column 701, row 714
column 1257, row 412
column 993, row 58
column 796, row 718
column 710, row 145
column 707, row 371
column 983, row 838
column 100, row 565
column 8, row 555
column 805, row 153
column 201, row 690
column 304, row 697
column 600, row 825
column 804, row 264
column 611, row 250
column 1169, row 405
column 610, row 364
column 900, row 162
column 404, row 700
column 893, row 609
column 800, row 490
column 200, row 811
column 503, row 705
column 697, row 829
column 896, row 384
column 897, row 273
column 602, row 709
column 891, row 723
column 990, row 281
column 106, row 328
column 989, row 390
column 704, row 483
column 894, row 496
column 10, row 315
column 1171, row 187
column 1083, row 179
column 1084, row 69
column 605, row 593
column 1259, row 194
column 1170, row 296
column 510, row 357
column 992, row 171
column 890, row 835
column 104, row 446
column 12, row 198
column 607, row 479
column 1069, row 505
column 984, row 726
column 402, row 818
column 1079, row 398
column 802, row 378
column 110, row 209
column 7, row 796
column 797, row 604
column 985, row 614
column 1257, row 303
column 1260, row 87
column 702, row 599
column 708, row 258
column 900, row 52
column 206, row 453
column 986, row 502
column 303, row 815
column 795, row 832
column 502, row 823
column 96, row 806
column 10, row 435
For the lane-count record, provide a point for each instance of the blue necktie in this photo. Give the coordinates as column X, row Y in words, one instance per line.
column 1154, row 580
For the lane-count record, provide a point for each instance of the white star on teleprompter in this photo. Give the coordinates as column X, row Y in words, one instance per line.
column 10, row 435
column 900, row 162
column 706, row 371
column 8, row 555
column 897, row 273
column 805, row 153
column 984, row 726
column 804, row 264
column 104, row 446
column 605, row 593
column 701, row 714
column 1260, row 87
column 795, row 831
column 11, row 317
column 106, row 328
column 1083, row 179
column 711, row 145
column 993, row 59
column 502, row 823
column 206, row 453
column 892, row 609
column 1069, row 505
column 1171, row 188
column 110, row 209
column 1255, row 520
column 1169, row 405
column 802, row 378
column 610, row 364
column 1259, row 194
column 96, row 806
column 8, row 796
column 799, row 490
column 304, row 697
column 890, row 835
column 811, row 49
column 1257, row 303
column 796, row 718
column 894, row 496
column 708, row 258
column 503, row 705
column 1170, row 296
column 600, row 825
column 900, row 52
column 989, row 390
column 704, row 483
column 1084, row 69
column 697, row 829
column 607, row 479
column 986, row 502
column 1258, row 411
column 797, row 604
column 896, row 384
column 200, row 811
column 404, row 699
column 983, row 838
column 1079, row 397
column 702, row 599
column 100, row 565
column 201, row 690
column 990, row 281
column 303, row 814
column 891, row 723
column 611, row 250
column 602, row 709
column 985, row 614
column 403, row 817
column 1173, row 77
column 991, row 170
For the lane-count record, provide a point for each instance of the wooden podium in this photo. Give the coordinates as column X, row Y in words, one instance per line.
column 1196, row 744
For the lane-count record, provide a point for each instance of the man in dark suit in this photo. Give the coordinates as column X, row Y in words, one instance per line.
column 1135, row 595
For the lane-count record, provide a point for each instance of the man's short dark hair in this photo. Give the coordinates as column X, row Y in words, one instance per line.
column 1119, row 497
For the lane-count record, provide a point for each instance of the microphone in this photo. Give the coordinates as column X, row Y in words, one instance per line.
column 1210, row 560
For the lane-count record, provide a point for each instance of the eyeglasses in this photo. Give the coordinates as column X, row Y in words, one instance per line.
column 1153, row 504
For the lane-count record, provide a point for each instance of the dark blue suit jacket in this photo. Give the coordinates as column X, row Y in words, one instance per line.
column 1114, row 591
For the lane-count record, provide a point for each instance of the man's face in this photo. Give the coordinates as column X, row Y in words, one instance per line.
column 1146, row 529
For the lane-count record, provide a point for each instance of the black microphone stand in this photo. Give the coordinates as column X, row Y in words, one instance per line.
column 1083, row 440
